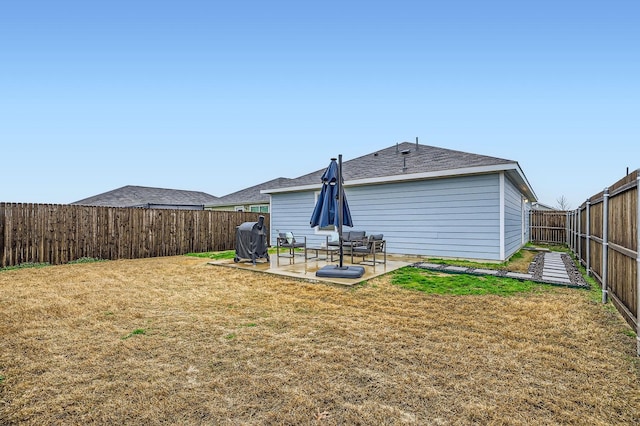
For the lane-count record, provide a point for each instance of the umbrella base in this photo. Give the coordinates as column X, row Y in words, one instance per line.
column 334, row 271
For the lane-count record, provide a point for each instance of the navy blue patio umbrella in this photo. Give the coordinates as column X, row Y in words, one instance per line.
column 332, row 209
column 327, row 207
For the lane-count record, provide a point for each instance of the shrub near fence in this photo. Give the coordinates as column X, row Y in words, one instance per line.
column 57, row 233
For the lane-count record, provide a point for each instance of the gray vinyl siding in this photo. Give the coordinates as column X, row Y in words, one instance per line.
column 291, row 212
column 512, row 218
column 449, row 217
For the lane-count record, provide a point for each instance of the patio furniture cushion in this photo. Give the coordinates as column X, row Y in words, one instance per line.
column 349, row 238
column 356, row 235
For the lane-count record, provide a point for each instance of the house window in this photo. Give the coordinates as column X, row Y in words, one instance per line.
column 239, row 208
column 331, row 229
column 259, row 209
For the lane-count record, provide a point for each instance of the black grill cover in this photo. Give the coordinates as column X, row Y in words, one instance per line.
column 251, row 241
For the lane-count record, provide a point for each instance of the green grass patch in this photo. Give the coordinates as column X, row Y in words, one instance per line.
column 216, row 255
column 25, row 266
column 230, row 336
column 459, row 284
column 137, row 331
column 86, row 260
column 553, row 247
column 227, row 254
column 43, row 264
column 518, row 262
column 470, row 263
column 629, row 332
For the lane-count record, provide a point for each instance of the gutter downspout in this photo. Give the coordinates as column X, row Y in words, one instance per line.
column 502, row 220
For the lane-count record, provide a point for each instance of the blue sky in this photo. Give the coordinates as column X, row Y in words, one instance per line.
column 217, row 96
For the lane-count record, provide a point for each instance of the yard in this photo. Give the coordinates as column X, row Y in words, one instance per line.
column 176, row 341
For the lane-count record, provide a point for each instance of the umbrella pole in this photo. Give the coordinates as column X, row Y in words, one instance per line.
column 340, row 201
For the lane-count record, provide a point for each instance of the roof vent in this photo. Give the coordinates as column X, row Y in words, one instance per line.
column 405, row 151
column 375, row 154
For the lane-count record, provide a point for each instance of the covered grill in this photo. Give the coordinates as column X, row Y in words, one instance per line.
column 251, row 241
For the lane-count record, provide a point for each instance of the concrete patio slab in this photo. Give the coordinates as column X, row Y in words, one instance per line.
column 298, row 268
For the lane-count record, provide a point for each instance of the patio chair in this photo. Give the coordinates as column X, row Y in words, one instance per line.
column 350, row 239
column 288, row 240
column 375, row 244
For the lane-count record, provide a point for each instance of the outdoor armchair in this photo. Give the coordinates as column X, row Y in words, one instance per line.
column 288, row 240
column 374, row 244
column 350, row 239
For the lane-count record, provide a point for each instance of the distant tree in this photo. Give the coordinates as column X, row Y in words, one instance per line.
column 562, row 203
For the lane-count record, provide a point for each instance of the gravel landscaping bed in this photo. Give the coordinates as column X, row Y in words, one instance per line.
column 537, row 266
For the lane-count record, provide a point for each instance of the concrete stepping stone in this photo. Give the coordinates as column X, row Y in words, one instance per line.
column 486, row 271
column 456, row 269
column 519, row 275
column 557, row 280
column 431, row 265
column 554, row 277
column 563, row 270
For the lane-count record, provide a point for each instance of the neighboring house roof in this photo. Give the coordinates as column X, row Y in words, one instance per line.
column 142, row 196
column 251, row 195
column 540, row 206
column 410, row 161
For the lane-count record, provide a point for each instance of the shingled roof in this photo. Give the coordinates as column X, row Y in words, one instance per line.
column 410, row 161
column 251, row 195
column 142, row 196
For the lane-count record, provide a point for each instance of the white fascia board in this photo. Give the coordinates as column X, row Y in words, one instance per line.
column 522, row 182
column 513, row 167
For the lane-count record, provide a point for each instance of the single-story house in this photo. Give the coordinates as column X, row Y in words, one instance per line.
column 425, row 200
column 249, row 199
column 148, row 197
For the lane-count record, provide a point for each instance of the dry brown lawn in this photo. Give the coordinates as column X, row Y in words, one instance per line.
column 176, row 341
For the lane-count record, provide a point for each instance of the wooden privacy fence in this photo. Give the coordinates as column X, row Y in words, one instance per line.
column 56, row 234
column 548, row 226
column 604, row 234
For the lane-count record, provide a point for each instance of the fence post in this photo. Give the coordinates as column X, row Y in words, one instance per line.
column 588, row 232
column 579, row 226
column 571, row 220
column 578, row 233
column 638, row 263
column 605, row 243
column 566, row 229
column 575, row 231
